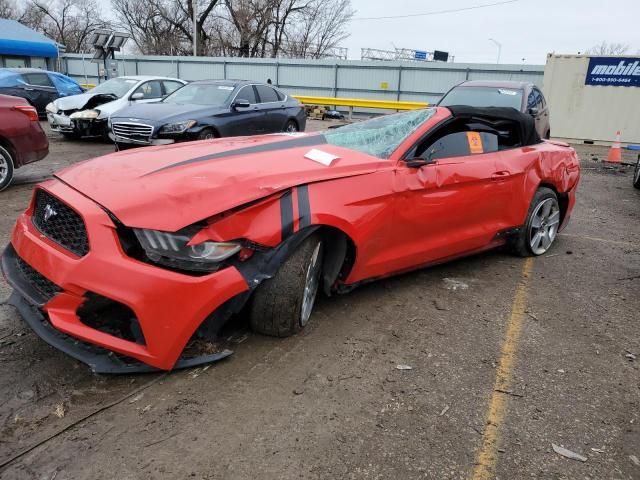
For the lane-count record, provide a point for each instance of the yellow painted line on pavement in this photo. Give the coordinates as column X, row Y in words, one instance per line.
column 603, row 240
column 487, row 458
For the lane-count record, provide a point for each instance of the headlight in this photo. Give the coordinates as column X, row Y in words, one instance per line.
column 173, row 250
column 51, row 108
column 178, row 127
column 85, row 115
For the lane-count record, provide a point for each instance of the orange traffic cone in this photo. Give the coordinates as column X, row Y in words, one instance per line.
column 615, row 153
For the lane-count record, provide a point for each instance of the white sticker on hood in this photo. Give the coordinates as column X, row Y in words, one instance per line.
column 319, row 156
column 507, row 92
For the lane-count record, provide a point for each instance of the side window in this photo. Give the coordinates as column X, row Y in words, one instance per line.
column 459, row 144
column 247, row 93
column 267, row 94
column 150, row 90
column 39, row 79
column 281, row 96
column 531, row 100
column 170, row 86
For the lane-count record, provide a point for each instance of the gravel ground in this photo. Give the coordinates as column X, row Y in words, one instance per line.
column 331, row 402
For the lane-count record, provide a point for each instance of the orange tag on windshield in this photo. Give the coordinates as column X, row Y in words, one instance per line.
column 475, row 142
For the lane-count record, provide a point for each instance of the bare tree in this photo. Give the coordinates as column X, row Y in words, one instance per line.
column 152, row 33
column 8, row 9
column 68, row 22
column 606, row 48
column 244, row 28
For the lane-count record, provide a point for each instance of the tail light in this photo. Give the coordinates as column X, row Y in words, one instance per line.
column 29, row 111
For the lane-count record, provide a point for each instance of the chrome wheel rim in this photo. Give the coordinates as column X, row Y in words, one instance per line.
column 291, row 127
column 4, row 168
column 311, row 285
column 544, row 226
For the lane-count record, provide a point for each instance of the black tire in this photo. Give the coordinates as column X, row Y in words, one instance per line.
column 207, row 134
column 636, row 174
column 547, row 135
column 6, row 168
column 522, row 243
column 292, row 126
column 277, row 305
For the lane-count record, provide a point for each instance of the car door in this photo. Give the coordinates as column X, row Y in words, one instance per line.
column 453, row 204
column 151, row 92
column 242, row 121
column 40, row 89
column 274, row 108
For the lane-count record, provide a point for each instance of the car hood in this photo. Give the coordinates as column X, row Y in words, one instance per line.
column 169, row 187
column 166, row 112
column 83, row 101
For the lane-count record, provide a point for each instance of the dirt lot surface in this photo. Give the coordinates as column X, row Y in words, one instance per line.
column 508, row 356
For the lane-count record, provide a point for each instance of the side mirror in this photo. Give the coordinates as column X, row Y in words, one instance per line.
column 238, row 104
column 418, row 162
column 534, row 111
column 136, row 96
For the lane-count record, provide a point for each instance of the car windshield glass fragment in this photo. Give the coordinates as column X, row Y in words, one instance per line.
column 379, row 136
column 201, row 94
column 483, row 97
column 116, row 86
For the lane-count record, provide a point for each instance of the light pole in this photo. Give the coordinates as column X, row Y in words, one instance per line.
column 499, row 45
column 195, row 27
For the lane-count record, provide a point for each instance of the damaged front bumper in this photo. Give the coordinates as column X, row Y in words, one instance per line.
column 83, row 127
column 52, row 288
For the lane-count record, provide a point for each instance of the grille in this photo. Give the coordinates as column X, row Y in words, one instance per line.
column 60, row 223
column 45, row 287
column 134, row 132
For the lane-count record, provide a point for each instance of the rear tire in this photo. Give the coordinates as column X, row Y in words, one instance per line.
column 541, row 226
column 6, row 168
column 282, row 305
column 636, row 174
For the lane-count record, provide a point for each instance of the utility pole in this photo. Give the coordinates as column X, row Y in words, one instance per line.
column 499, row 45
column 195, row 27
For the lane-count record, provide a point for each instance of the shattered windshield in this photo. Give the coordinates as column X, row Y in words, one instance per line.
column 116, row 86
column 379, row 136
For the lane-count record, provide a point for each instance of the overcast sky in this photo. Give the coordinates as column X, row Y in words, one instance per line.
column 527, row 29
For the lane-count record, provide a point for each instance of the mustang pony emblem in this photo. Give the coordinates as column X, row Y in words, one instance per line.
column 49, row 212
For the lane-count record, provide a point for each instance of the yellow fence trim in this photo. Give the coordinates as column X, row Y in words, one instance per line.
column 361, row 103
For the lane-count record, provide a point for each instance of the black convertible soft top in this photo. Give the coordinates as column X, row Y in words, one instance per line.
column 499, row 115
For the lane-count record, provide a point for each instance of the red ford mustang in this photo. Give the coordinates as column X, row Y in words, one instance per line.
column 121, row 260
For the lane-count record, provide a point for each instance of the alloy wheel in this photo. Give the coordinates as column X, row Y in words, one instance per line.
column 311, row 284
column 544, row 226
column 4, row 168
column 291, row 127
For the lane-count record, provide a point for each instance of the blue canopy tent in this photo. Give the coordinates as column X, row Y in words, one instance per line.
column 21, row 46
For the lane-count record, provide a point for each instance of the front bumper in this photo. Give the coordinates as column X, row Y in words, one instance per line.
column 60, row 123
column 168, row 306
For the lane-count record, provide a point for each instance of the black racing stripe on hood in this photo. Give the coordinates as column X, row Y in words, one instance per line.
column 306, row 141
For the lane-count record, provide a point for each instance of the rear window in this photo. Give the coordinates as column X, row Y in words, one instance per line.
column 483, row 97
column 267, row 94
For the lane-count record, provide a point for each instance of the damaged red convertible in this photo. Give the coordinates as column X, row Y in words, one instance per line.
column 121, row 261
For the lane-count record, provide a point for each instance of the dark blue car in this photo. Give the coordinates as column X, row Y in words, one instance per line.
column 38, row 87
column 208, row 109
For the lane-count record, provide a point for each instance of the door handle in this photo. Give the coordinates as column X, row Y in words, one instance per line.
column 501, row 175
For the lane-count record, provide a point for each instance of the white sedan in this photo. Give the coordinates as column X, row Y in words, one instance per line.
column 87, row 114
